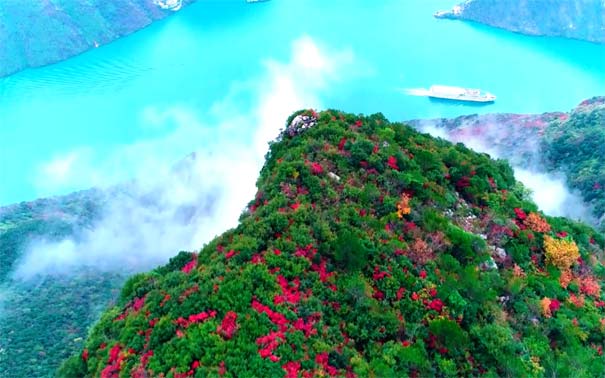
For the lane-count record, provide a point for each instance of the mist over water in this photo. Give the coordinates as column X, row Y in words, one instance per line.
column 127, row 112
column 179, row 206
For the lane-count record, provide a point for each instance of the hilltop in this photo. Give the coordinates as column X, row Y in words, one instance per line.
column 369, row 250
column 65, row 28
column 577, row 19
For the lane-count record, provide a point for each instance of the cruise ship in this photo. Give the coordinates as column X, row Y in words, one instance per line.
column 173, row 5
column 460, row 94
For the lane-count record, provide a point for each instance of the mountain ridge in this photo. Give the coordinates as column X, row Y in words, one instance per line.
column 369, row 249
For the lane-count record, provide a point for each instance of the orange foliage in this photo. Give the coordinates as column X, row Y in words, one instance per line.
column 518, row 271
column 536, row 223
column 590, row 286
column 560, row 252
column 545, row 305
column 403, row 206
column 565, row 278
column 578, row 301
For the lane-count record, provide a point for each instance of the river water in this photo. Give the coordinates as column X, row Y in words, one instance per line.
column 95, row 101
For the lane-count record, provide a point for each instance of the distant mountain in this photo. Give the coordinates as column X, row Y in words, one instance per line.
column 45, row 316
column 369, row 250
column 578, row 19
column 44, row 320
column 35, row 33
column 570, row 143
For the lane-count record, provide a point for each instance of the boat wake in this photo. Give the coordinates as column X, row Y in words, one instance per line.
column 415, row 91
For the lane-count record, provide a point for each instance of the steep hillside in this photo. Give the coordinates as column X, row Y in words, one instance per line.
column 43, row 320
column 369, row 250
column 578, row 19
column 575, row 145
column 569, row 143
column 35, row 33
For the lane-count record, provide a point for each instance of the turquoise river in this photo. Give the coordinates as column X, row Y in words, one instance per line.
column 195, row 59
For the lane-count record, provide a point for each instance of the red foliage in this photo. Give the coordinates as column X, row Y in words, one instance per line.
column 321, row 269
column 379, row 295
column 195, row 318
column 378, row 275
column 275, row 317
column 190, row 265
column 306, row 327
column 341, row 144
column 289, row 294
column 554, row 305
column 422, row 274
column 520, row 214
column 114, row 352
column 436, row 304
column 228, row 326
column 138, row 303
column 307, row 252
column 322, row 360
column 269, row 343
column 400, row 293
column 85, row 354
column 464, row 182
column 392, row 163
column 291, row 368
column 145, row 357
column 316, row 168
column 230, row 254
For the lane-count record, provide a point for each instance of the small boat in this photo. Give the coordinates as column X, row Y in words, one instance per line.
column 172, row 5
column 460, row 94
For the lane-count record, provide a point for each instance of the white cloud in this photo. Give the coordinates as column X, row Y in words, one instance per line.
column 167, row 209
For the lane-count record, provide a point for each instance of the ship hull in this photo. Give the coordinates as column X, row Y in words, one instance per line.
column 462, row 99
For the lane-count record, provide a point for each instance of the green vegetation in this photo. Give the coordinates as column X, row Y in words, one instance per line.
column 369, row 250
column 575, row 145
column 45, row 319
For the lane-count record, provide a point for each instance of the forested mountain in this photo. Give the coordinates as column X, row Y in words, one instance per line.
column 369, row 250
column 64, row 28
column 44, row 320
column 572, row 144
column 578, row 19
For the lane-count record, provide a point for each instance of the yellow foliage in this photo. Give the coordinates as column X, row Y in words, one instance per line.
column 403, row 206
column 536, row 223
column 560, row 252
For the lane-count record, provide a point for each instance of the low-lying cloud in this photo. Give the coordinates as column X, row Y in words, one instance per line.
column 169, row 207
